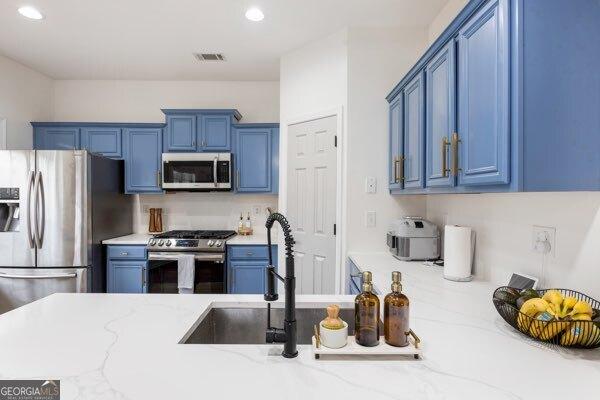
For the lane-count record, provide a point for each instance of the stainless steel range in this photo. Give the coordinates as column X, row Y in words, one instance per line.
column 211, row 241
column 208, row 248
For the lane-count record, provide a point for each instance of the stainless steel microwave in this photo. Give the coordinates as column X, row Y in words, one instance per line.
column 196, row 171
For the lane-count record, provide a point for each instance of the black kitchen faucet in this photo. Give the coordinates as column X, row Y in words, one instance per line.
column 287, row 335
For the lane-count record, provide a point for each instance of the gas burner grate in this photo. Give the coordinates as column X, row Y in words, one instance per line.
column 205, row 234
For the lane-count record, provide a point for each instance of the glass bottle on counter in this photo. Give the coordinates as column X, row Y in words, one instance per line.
column 395, row 314
column 366, row 314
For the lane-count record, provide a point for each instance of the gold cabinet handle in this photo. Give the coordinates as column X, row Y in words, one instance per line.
column 158, row 180
column 445, row 144
column 401, row 168
column 455, row 142
column 395, row 169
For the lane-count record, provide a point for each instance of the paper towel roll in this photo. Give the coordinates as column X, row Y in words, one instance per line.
column 459, row 246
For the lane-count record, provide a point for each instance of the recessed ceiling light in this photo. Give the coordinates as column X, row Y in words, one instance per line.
column 254, row 14
column 30, row 12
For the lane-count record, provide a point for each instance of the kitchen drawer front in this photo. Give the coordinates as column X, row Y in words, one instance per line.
column 127, row 252
column 249, row 252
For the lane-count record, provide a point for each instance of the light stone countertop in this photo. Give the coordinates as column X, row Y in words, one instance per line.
column 118, row 346
column 142, row 239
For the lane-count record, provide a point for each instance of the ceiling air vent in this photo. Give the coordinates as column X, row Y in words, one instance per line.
column 209, row 56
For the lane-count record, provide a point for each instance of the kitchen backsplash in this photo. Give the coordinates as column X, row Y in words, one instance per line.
column 504, row 226
column 202, row 210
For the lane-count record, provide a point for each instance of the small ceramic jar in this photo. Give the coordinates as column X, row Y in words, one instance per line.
column 334, row 338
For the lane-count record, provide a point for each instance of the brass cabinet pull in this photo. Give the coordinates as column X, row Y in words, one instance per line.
column 401, row 168
column 455, row 142
column 395, row 169
column 158, row 180
column 445, row 170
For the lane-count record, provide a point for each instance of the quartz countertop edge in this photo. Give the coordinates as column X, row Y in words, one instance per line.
column 142, row 239
column 127, row 346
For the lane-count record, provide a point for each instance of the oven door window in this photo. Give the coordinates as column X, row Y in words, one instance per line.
column 188, row 171
column 209, row 277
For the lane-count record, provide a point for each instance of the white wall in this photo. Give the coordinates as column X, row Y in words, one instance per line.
column 377, row 59
column 141, row 101
column 203, row 210
column 504, row 223
column 444, row 17
column 25, row 96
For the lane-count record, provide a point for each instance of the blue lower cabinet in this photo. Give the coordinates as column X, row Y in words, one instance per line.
column 246, row 268
column 56, row 138
column 143, row 151
column 127, row 276
column 104, row 141
column 256, row 159
column 127, row 269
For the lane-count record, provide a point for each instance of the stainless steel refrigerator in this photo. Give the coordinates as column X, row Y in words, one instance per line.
column 56, row 207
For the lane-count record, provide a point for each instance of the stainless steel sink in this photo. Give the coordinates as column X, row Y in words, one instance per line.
column 248, row 325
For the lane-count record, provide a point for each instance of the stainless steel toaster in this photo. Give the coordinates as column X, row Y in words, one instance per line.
column 414, row 238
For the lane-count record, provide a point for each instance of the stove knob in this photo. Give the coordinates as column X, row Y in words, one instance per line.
column 167, row 243
column 152, row 242
column 218, row 243
column 160, row 242
column 210, row 243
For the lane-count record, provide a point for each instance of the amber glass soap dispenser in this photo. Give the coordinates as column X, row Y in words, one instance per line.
column 395, row 314
column 366, row 314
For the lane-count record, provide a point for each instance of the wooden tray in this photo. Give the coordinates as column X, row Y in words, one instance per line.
column 354, row 349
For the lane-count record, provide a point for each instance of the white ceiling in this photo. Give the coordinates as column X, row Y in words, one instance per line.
column 155, row 39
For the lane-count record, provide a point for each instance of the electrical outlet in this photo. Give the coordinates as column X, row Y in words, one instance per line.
column 256, row 210
column 371, row 184
column 543, row 240
column 371, row 219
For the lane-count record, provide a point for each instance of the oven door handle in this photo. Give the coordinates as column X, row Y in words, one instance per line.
column 216, row 257
column 216, row 159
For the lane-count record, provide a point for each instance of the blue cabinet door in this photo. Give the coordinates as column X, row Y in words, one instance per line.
column 396, row 130
column 215, row 133
column 57, row 138
column 247, row 277
column 104, row 141
column 180, row 133
column 414, row 133
column 253, row 160
column 440, row 117
column 127, row 276
column 143, row 152
column 483, row 97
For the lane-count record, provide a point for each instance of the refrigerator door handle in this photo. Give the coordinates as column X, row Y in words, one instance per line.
column 49, row 276
column 39, row 194
column 29, row 192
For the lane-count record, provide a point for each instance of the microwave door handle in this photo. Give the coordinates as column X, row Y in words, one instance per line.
column 215, row 171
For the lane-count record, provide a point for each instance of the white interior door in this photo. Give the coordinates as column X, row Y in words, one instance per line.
column 311, row 208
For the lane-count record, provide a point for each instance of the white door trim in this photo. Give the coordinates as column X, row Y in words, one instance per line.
column 340, row 216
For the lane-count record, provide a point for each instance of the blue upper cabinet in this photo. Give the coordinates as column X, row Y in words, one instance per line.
column 414, row 133
column 199, row 130
column 143, row 151
column 180, row 133
column 396, row 130
column 525, row 100
column 483, row 97
column 215, row 132
column 256, row 158
column 440, row 112
column 56, row 138
column 105, row 141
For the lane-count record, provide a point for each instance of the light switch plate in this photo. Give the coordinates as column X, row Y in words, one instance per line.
column 371, row 219
column 256, row 210
column 371, row 184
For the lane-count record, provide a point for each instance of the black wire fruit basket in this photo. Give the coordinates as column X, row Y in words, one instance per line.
column 545, row 327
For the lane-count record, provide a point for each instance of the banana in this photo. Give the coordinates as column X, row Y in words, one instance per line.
column 529, row 310
column 582, row 307
column 553, row 329
column 593, row 336
column 539, row 323
column 568, row 304
column 553, row 296
column 582, row 333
